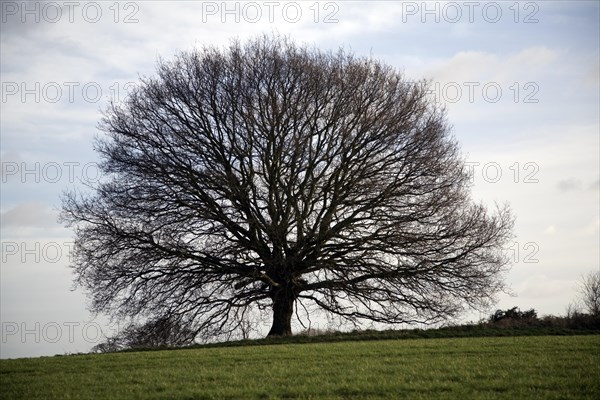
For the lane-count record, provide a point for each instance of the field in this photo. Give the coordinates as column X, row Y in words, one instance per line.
column 536, row 367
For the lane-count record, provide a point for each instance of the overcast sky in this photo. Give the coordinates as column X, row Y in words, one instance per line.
column 520, row 81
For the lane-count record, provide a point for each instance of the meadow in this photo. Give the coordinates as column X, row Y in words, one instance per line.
column 521, row 367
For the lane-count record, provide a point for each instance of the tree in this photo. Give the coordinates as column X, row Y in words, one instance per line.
column 278, row 177
column 164, row 331
column 589, row 289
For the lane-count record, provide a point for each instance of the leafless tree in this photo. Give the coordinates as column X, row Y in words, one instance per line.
column 589, row 289
column 279, row 176
column 163, row 331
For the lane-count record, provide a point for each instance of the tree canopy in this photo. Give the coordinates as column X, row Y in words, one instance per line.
column 283, row 178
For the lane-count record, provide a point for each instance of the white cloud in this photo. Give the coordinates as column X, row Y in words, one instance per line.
column 569, row 184
column 29, row 215
column 478, row 66
column 35, row 214
column 541, row 286
column 593, row 227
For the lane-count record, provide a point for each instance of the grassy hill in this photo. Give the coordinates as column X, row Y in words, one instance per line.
column 536, row 367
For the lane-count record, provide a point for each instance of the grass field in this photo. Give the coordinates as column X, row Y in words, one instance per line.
column 536, row 367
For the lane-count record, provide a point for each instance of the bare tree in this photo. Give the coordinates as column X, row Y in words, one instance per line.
column 163, row 331
column 278, row 176
column 589, row 289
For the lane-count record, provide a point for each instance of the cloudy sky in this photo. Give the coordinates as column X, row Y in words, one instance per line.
column 520, row 81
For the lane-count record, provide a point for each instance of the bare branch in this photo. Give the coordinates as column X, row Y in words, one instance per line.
column 267, row 173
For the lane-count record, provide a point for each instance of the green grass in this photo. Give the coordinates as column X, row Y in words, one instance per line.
column 536, row 367
column 459, row 331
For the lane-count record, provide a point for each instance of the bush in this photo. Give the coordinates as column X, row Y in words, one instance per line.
column 514, row 317
column 583, row 321
column 159, row 332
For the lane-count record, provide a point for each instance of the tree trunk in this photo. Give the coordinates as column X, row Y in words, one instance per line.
column 283, row 308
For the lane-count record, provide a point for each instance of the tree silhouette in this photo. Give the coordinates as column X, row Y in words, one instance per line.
column 274, row 175
column 589, row 290
column 162, row 331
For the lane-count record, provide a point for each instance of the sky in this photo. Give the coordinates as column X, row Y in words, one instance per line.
column 519, row 80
